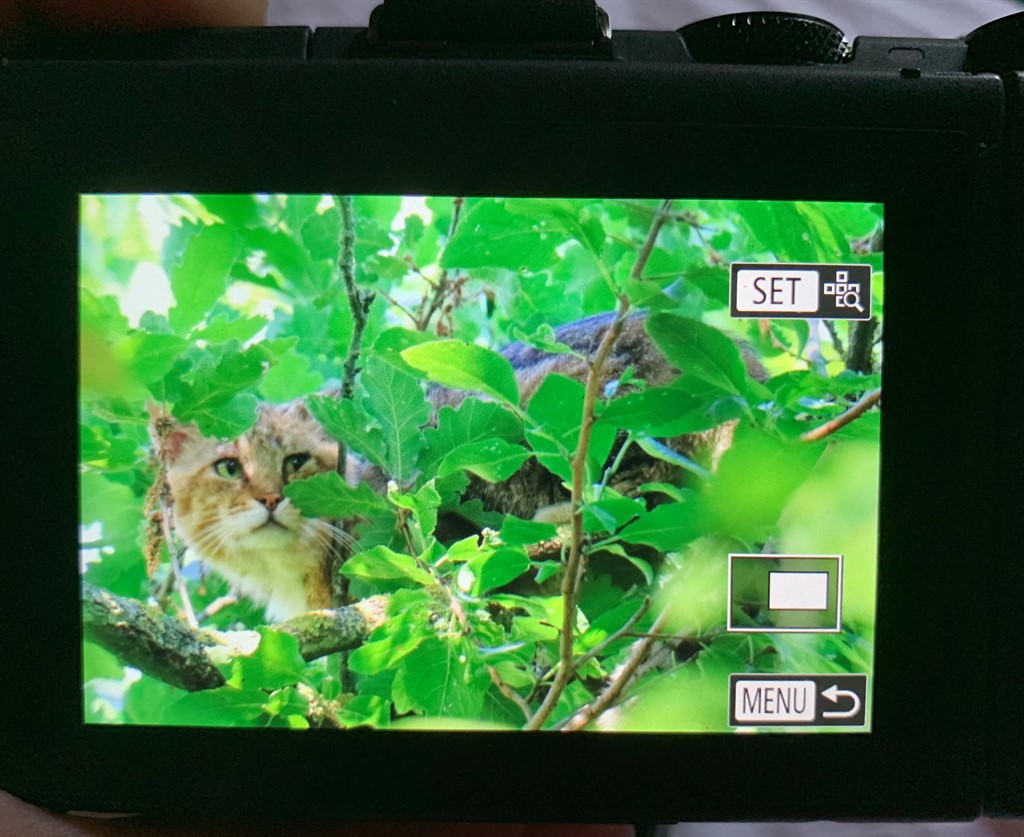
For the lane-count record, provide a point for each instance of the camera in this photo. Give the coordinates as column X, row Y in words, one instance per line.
column 489, row 415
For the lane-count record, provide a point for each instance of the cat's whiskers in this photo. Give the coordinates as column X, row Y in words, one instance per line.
column 326, row 533
column 219, row 534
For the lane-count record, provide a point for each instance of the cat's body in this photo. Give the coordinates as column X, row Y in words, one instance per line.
column 230, row 510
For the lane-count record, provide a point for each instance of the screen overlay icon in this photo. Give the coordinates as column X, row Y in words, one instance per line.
column 828, row 291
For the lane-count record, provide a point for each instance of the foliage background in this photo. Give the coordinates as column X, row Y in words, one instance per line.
column 210, row 303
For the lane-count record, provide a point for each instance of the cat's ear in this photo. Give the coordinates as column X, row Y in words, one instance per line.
column 169, row 436
column 298, row 409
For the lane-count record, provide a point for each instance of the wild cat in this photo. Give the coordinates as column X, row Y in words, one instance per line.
column 230, row 510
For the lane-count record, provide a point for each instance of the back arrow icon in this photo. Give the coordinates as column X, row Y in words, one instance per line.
column 833, row 693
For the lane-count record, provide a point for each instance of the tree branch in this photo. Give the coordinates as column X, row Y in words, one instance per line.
column 146, row 638
column 868, row 401
column 359, row 301
column 572, row 574
column 862, row 342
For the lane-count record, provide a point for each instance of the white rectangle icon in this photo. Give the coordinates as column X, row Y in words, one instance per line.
column 797, row 591
column 775, row 288
column 774, row 701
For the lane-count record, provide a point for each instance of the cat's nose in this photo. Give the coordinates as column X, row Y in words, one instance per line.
column 271, row 501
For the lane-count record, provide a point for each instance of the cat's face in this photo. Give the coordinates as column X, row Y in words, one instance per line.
column 229, row 505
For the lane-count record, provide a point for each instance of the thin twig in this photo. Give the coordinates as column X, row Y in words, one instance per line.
column 572, row 575
column 359, row 301
column 652, row 236
column 509, row 692
column 611, row 694
column 216, row 606
column 856, row 411
column 575, row 563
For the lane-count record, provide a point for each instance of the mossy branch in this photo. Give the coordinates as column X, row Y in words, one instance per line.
column 144, row 637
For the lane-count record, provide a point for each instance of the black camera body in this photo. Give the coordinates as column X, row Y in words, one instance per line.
column 757, row 110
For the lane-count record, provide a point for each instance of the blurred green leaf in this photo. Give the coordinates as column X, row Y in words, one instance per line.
column 321, row 235
column 290, row 378
column 202, row 276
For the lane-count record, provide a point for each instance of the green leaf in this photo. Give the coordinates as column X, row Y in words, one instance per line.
column 659, row 411
column 562, row 216
column 392, row 341
column 699, row 351
column 607, row 624
column 488, row 235
column 556, row 409
column 223, row 707
column 321, row 235
column 149, row 356
column 667, row 527
column 492, row 568
column 214, row 400
column 221, row 329
column 610, row 513
column 101, row 315
column 544, row 339
column 99, row 662
column 472, row 421
column 146, row 699
column 224, row 419
column 423, row 504
column 493, row 460
column 344, row 421
column 755, row 480
column 328, row 495
column 276, row 662
column 290, row 378
column 516, row 532
column 383, row 564
column 202, row 276
column 397, row 402
column 438, row 679
column 659, row 450
column 389, row 645
column 286, row 258
column 234, row 210
column 460, row 365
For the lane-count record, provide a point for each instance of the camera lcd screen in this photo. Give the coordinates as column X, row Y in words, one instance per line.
column 479, row 463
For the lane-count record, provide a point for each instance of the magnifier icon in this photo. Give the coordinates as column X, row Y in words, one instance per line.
column 851, row 299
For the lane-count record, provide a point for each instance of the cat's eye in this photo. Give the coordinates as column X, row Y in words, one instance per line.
column 294, row 462
column 229, row 468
